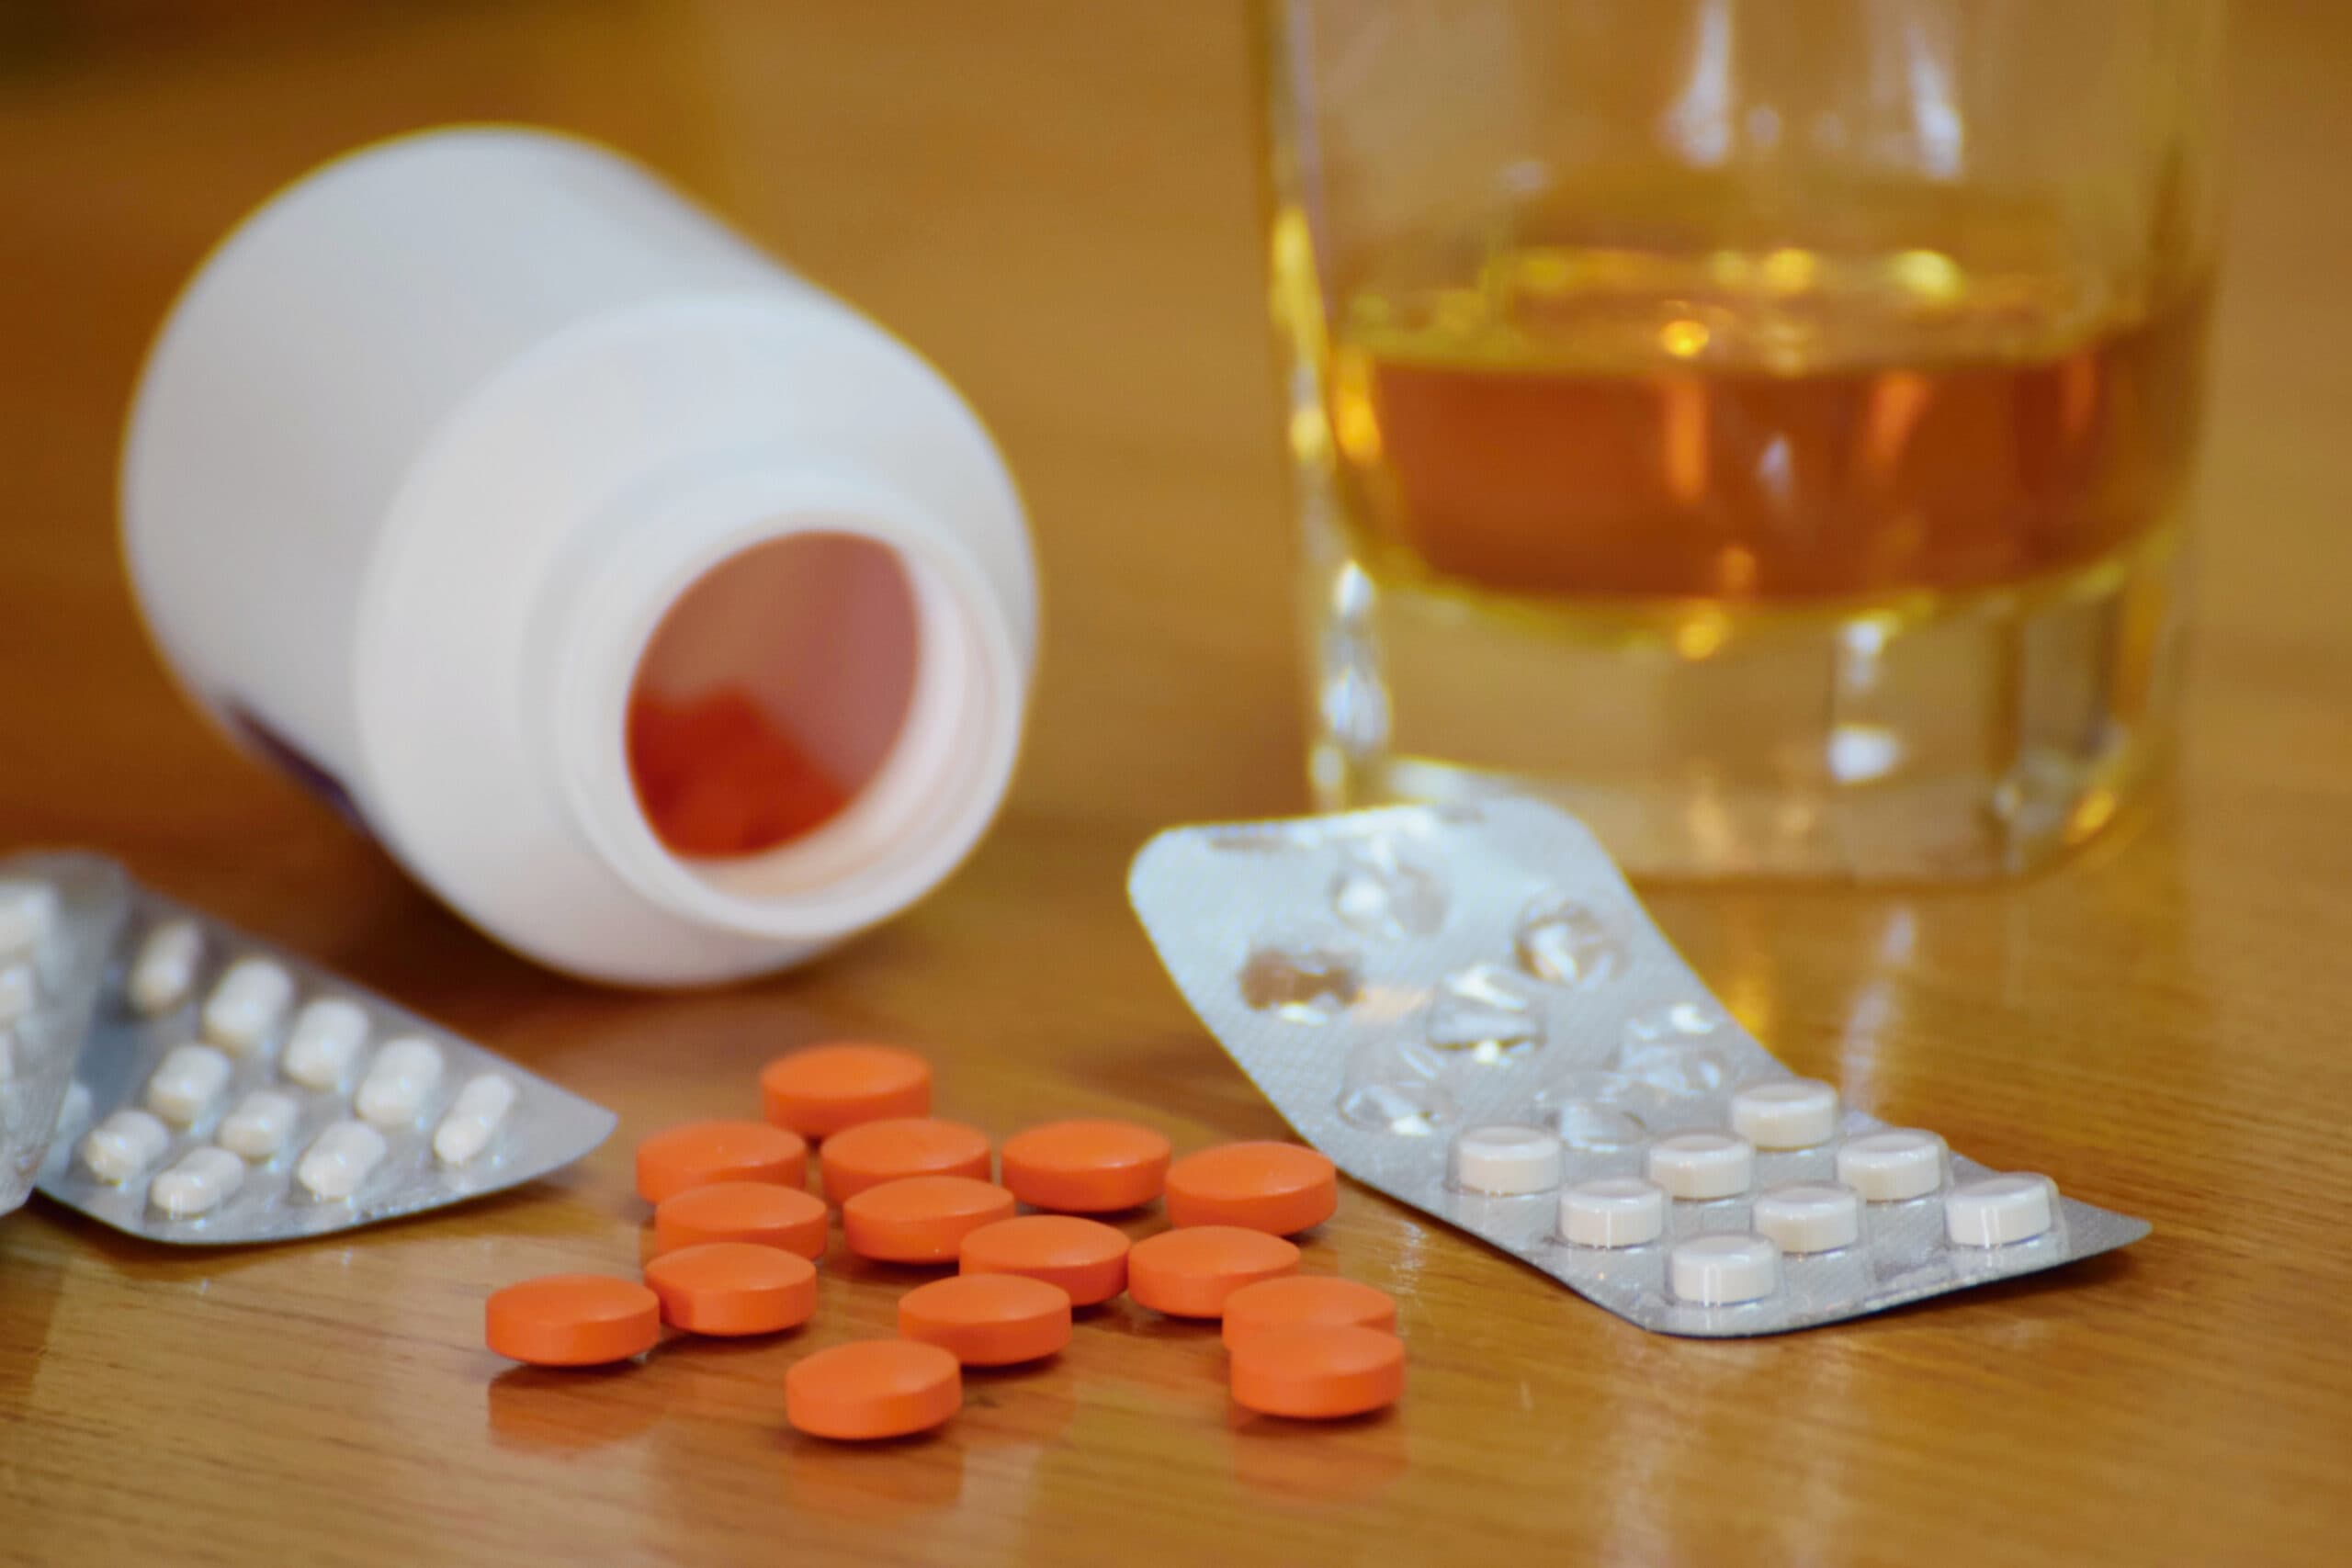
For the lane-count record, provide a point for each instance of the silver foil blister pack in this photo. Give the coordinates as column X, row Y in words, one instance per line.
column 226, row 1091
column 59, row 917
column 1467, row 1009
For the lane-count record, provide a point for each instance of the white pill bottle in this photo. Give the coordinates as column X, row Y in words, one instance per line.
column 468, row 442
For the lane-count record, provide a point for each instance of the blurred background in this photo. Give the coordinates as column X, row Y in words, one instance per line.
column 1115, row 342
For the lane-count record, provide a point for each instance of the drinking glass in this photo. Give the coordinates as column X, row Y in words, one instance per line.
column 1762, row 426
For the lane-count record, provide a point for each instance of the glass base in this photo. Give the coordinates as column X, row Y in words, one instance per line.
column 1950, row 737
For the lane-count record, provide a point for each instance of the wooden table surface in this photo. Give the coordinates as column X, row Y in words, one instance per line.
column 1056, row 200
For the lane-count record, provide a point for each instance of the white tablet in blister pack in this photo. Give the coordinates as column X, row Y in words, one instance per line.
column 191, row 1084
column 1467, row 1009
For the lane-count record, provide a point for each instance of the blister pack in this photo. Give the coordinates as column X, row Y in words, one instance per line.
column 58, row 917
column 1467, row 1009
column 228, row 1091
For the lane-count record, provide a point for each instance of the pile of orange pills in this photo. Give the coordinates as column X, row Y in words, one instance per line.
column 738, row 1238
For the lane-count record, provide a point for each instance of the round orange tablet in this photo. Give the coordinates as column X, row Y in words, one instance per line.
column 822, row 1090
column 1280, row 1189
column 921, row 1219
column 1189, row 1272
column 758, row 1211
column 1306, row 1301
column 874, row 1151
column 699, row 1153
column 1086, row 1167
column 1316, row 1372
column 873, row 1388
column 988, row 1320
column 572, row 1320
column 1086, row 1259
column 733, row 1287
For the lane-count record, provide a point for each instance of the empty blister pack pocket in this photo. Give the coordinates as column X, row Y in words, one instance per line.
column 228, row 1091
column 1467, row 1009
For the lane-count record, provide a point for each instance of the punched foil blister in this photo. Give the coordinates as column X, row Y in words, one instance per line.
column 228, row 1091
column 1467, row 1009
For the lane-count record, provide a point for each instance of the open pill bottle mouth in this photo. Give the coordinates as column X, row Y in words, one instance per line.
column 795, row 705
column 771, row 695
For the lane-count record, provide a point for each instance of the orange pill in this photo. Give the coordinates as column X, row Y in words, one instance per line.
column 988, row 1320
column 700, row 1153
column 1280, row 1189
column 1086, row 1167
column 921, row 1219
column 572, row 1320
column 758, row 1211
column 820, row 1089
column 733, row 1287
column 1306, row 1301
column 874, row 1151
column 1086, row 1259
column 1317, row 1372
column 873, row 1388
column 1189, row 1272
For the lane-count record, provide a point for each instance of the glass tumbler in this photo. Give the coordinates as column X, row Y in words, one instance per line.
column 1762, row 426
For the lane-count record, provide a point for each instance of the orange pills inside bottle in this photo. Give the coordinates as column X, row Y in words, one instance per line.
column 717, row 776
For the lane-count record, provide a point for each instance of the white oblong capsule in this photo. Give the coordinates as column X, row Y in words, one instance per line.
column 399, row 1082
column 339, row 1160
column 199, row 1183
column 27, row 914
column 259, row 1124
column 20, row 989
column 124, row 1145
column 185, row 1081
column 324, row 1042
column 164, row 970
column 247, row 1004
column 474, row 1118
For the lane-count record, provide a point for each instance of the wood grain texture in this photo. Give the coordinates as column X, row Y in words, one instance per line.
column 1056, row 201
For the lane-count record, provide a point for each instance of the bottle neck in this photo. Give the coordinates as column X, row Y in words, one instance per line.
column 829, row 598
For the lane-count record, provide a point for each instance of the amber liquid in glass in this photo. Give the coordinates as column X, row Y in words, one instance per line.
column 1761, row 559
column 1763, row 430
